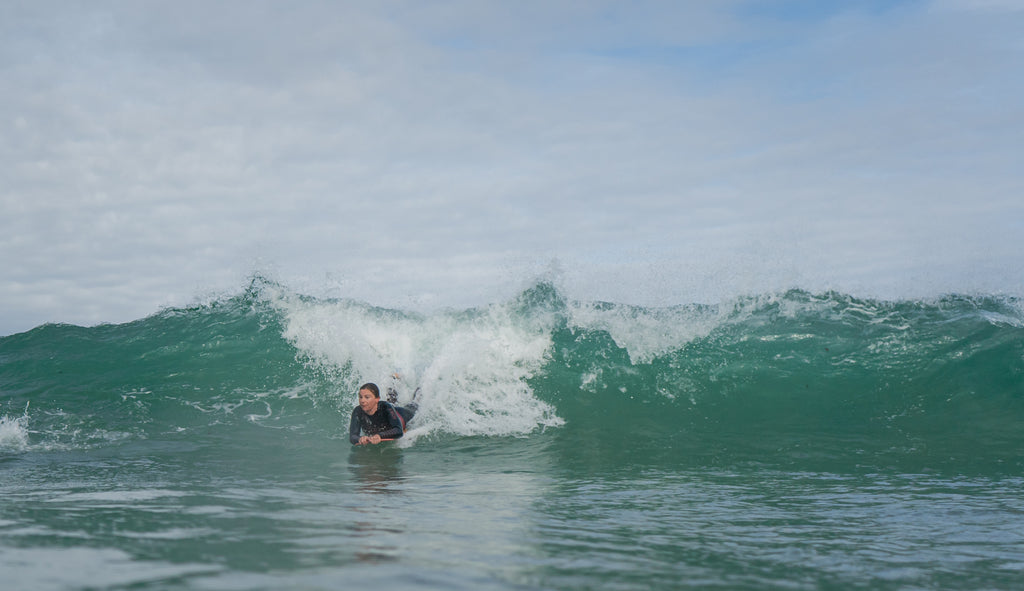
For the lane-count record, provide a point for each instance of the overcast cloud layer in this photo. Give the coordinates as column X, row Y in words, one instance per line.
column 445, row 153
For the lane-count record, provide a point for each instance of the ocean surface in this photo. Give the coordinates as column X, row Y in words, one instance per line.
column 789, row 440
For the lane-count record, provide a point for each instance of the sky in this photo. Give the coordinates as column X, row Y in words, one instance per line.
column 427, row 154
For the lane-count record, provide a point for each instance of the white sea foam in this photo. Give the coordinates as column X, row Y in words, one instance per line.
column 646, row 333
column 14, row 433
column 472, row 367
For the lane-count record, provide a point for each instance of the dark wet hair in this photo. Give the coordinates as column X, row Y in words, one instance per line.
column 372, row 388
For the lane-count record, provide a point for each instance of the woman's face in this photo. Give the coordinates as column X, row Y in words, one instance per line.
column 368, row 402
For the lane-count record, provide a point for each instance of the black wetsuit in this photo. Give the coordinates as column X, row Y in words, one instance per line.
column 386, row 422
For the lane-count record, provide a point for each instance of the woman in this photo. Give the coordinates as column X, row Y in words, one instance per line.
column 376, row 419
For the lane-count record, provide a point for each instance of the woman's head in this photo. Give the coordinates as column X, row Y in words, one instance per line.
column 369, row 397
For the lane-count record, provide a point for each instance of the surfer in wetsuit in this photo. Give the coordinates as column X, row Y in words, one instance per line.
column 376, row 419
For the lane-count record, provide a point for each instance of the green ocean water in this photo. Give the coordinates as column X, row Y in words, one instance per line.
column 792, row 440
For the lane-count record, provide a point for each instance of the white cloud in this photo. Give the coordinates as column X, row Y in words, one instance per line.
column 440, row 152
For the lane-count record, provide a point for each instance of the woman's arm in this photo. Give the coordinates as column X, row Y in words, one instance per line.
column 396, row 427
column 353, row 427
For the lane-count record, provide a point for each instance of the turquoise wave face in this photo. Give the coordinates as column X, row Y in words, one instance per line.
column 820, row 381
column 824, row 381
